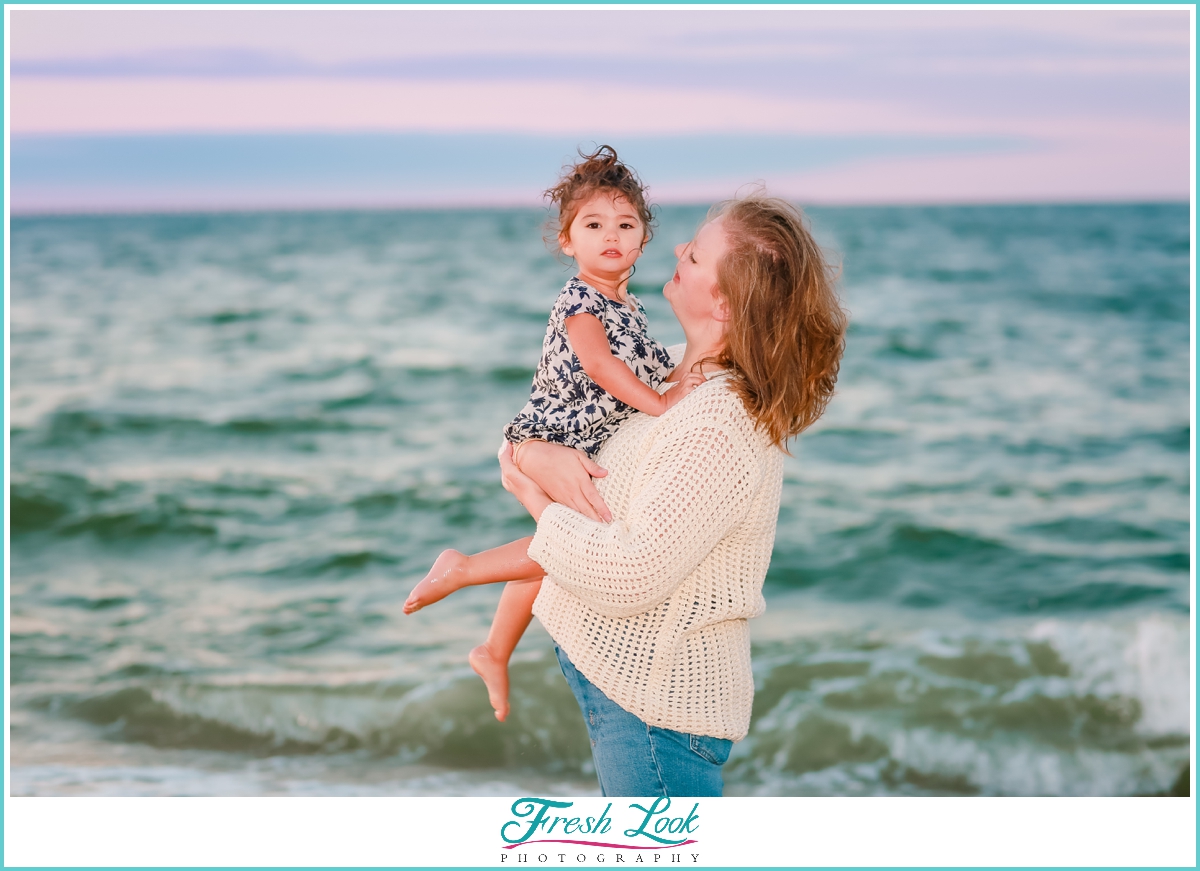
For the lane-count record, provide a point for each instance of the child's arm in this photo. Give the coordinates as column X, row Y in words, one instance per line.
column 590, row 343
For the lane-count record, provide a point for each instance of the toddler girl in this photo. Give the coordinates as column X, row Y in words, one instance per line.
column 598, row 366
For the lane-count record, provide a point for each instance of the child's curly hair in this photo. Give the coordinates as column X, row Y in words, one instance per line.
column 601, row 170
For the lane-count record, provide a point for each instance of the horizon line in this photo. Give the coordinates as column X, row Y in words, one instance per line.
column 264, row 209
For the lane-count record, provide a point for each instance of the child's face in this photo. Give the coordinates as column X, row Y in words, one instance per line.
column 605, row 237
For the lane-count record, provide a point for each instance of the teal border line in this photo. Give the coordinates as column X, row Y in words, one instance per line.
column 875, row 4
column 4, row 349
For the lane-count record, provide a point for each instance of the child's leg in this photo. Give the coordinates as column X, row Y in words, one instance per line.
column 453, row 571
column 490, row 659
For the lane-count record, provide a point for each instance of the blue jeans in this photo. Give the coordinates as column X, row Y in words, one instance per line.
column 636, row 759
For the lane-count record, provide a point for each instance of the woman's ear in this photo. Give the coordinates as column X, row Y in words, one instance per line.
column 721, row 310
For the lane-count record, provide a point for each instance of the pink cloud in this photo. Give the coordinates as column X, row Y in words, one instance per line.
column 166, row 105
column 58, row 105
column 331, row 36
column 1078, row 171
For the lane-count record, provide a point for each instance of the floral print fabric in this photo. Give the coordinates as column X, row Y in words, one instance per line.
column 566, row 406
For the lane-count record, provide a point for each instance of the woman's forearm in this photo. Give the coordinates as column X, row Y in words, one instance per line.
column 697, row 488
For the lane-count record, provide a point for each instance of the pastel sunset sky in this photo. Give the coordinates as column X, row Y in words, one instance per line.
column 130, row 109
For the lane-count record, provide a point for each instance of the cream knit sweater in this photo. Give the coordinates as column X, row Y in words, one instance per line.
column 652, row 608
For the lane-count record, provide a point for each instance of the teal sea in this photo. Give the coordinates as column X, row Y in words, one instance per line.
column 237, row 441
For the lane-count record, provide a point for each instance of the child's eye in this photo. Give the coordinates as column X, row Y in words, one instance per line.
column 691, row 257
column 627, row 226
column 593, row 225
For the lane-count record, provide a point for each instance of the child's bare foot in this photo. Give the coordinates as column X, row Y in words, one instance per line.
column 449, row 573
column 495, row 678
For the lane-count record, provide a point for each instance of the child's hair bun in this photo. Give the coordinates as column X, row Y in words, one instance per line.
column 601, row 170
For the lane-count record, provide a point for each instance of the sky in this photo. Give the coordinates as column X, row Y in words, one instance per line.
column 149, row 109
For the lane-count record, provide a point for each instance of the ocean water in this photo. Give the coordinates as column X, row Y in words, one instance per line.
column 238, row 440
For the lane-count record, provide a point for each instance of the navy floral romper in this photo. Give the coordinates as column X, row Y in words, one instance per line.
column 566, row 406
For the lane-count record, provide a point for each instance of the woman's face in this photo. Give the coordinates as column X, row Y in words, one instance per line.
column 692, row 291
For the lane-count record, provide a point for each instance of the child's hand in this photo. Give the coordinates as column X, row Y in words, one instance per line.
column 685, row 386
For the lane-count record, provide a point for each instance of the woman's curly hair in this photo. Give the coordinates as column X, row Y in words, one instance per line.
column 787, row 329
column 601, row 170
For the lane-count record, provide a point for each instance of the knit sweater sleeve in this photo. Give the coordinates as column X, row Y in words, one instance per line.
column 690, row 491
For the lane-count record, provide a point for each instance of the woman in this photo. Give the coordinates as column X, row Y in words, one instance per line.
column 648, row 611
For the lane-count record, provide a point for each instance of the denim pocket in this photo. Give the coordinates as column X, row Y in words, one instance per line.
column 715, row 750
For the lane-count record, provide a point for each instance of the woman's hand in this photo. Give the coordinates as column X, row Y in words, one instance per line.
column 526, row 490
column 565, row 476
